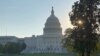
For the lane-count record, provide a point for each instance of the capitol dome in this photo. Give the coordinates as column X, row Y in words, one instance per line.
column 52, row 25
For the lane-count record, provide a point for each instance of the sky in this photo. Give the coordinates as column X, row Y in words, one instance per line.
column 24, row 18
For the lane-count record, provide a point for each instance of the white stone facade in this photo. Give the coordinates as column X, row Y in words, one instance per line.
column 42, row 44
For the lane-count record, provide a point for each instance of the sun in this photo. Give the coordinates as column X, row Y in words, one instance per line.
column 80, row 22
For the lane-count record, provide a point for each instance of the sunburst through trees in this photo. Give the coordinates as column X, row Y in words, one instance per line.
column 85, row 15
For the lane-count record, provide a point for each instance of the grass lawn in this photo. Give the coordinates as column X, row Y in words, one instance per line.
column 40, row 54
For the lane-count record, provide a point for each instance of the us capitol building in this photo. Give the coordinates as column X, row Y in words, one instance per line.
column 49, row 42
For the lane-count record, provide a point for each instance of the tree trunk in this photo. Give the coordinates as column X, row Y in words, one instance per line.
column 88, row 54
column 82, row 53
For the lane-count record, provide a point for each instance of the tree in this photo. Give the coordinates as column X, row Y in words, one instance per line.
column 1, row 48
column 74, row 41
column 85, row 15
column 13, row 48
column 78, row 42
column 67, row 40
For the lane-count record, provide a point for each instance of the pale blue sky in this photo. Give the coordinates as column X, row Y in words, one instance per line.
column 27, row 17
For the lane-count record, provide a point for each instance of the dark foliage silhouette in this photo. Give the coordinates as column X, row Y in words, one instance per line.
column 85, row 16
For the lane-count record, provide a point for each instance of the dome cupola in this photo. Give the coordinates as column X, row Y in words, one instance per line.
column 52, row 25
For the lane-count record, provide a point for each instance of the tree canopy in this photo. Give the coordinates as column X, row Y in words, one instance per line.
column 12, row 48
column 85, row 16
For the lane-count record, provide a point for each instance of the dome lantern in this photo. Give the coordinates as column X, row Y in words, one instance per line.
column 52, row 12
